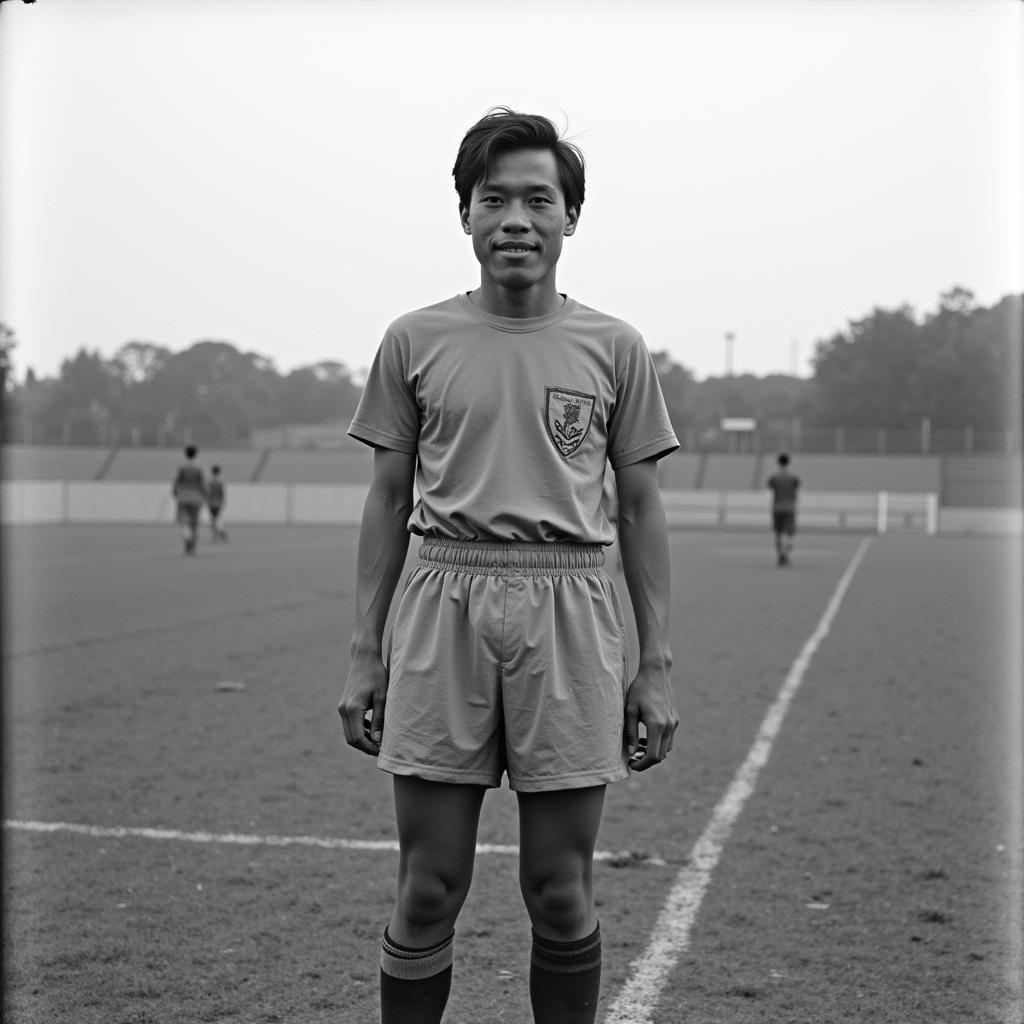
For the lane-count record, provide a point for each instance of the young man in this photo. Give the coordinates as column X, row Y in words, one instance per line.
column 189, row 490
column 784, row 486
column 507, row 654
column 215, row 497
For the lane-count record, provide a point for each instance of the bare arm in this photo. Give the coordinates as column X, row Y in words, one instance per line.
column 643, row 538
column 383, row 544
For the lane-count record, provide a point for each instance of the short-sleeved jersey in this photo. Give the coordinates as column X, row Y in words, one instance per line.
column 215, row 492
column 513, row 420
column 784, row 486
column 189, row 487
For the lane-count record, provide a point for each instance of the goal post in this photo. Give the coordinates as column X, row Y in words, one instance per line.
column 914, row 512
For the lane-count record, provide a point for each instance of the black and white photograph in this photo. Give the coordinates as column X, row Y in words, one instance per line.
column 512, row 511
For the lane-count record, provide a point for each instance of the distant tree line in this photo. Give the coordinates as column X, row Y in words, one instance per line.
column 954, row 368
column 146, row 394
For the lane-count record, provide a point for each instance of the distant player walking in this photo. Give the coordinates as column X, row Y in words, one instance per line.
column 784, row 486
column 216, row 496
column 507, row 654
column 189, row 490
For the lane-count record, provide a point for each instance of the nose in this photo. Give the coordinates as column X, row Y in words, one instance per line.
column 517, row 217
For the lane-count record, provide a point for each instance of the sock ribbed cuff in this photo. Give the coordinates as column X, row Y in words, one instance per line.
column 415, row 964
column 567, row 957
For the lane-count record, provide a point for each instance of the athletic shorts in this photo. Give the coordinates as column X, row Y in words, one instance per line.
column 188, row 515
column 507, row 658
column 784, row 522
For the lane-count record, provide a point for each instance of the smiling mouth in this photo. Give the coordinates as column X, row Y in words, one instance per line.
column 515, row 250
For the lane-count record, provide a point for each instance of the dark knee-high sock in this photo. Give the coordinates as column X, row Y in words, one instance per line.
column 414, row 983
column 565, row 979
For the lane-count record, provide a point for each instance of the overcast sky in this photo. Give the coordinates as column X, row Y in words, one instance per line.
column 277, row 174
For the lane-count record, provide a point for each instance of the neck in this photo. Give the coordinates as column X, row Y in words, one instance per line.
column 517, row 303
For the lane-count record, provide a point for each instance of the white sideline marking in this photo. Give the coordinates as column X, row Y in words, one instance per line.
column 638, row 998
column 243, row 839
column 228, row 839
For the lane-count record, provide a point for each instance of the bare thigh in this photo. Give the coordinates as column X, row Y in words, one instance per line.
column 557, row 835
column 437, row 827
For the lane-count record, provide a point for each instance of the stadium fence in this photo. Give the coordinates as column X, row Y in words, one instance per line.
column 793, row 435
column 71, row 501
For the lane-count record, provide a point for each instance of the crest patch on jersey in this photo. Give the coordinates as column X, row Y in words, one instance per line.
column 567, row 415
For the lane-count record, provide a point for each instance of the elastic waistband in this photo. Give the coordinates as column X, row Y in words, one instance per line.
column 495, row 558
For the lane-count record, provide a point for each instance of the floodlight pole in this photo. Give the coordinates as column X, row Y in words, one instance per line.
column 730, row 337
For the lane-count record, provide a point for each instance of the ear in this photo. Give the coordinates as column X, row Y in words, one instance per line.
column 572, row 218
column 464, row 218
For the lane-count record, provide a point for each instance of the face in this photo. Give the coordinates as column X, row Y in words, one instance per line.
column 517, row 218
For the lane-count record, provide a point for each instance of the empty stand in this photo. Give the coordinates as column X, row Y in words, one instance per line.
column 917, row 474
column 981, row 481
column 52, row 462
column 729, row 472
column 318, row 467
column 155, row 464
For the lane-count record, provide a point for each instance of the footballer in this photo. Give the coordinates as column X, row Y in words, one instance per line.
column 501, row 407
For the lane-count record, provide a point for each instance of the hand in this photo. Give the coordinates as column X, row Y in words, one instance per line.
column 362, row 705
column 649, row 702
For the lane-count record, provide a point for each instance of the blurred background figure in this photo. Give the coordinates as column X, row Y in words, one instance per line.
column 784, row 486
column 189, row 490
column 215, row 500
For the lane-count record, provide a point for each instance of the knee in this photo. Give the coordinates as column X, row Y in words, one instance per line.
column 560, row 902
column 430, row 898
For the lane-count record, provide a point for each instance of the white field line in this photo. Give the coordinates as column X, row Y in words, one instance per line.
column 216, row 838
column 243, row 839
column 670, row 937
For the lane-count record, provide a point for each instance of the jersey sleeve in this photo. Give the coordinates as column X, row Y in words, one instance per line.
column 640, row 427
column 387, row 415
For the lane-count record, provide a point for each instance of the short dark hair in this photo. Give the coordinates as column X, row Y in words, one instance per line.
column 216, row 469
column 190, row 451
column 502, row 130
column 783, row 459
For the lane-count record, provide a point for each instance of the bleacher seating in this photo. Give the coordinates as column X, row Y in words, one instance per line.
column 982, row 481
column 965, row 481
column 318, row 467
column 904, row 474
column 237, row 464
column 729, row 472
column 52, row 462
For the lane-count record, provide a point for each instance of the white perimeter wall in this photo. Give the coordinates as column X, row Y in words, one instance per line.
column 110, row 502
column 70, row 501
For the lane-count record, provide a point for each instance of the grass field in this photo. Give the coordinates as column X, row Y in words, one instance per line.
column 871, row 875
